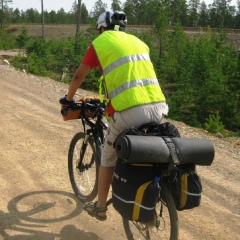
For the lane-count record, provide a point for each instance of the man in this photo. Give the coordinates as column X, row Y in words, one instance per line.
column 132, row 88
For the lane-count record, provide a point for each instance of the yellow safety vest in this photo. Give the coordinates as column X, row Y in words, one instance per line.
column 130, row 78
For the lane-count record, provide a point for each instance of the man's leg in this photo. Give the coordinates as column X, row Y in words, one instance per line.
column 104, row 182
column 108, row 162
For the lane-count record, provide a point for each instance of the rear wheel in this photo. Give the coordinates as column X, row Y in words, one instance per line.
column 164, row 226
column 83, row 166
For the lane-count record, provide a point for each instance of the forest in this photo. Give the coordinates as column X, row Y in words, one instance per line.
column 191, row 13
column 200, row 76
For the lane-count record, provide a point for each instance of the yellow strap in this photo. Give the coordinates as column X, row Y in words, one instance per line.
column 138, row 200
column 100, row 80
column 184, row 190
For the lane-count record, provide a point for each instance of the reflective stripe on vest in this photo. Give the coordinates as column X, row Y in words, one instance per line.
column 135, row 83
column 131, row 58
column 129, row 75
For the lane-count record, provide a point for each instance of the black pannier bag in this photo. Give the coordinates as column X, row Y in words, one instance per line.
column 185, row 186
column 134, row 191
column 162, row 144
column 152, row 129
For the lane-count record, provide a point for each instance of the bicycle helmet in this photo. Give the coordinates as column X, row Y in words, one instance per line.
column 116, row 20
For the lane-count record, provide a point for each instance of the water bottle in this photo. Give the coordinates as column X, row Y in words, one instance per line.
column 152, row 192
column 150, row 198
column 156, row 181
column 156, row 188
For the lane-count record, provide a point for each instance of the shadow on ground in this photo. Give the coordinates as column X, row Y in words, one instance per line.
column 30, row 216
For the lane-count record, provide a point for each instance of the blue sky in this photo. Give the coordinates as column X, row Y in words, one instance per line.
column 53, row 4
column 65, row 4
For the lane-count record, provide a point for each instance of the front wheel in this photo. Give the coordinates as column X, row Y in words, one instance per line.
column 83, row 166
column 164, row 226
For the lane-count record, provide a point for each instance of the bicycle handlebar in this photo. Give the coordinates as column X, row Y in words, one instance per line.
column 89, row 109
column 97, row 124
column 94, row 110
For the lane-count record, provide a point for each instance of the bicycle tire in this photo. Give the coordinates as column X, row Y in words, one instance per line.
column 83, row 175
column 168, row 223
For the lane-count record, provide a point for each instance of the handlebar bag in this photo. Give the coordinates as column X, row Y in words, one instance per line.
column 134, row 191
column 86, row 105
column 72, row 112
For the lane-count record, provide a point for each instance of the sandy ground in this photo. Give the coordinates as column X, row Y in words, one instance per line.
column 37, row 201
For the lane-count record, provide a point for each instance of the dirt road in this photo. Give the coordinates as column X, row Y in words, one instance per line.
column 37, row 202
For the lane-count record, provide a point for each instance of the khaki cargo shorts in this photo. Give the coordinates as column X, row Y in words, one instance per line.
column 120, row 121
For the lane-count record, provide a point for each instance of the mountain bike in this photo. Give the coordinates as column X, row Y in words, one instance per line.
column 83, row 167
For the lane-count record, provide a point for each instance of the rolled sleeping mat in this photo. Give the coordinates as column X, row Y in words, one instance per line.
column 153, row 149
column 199, row 151
column 142, row 149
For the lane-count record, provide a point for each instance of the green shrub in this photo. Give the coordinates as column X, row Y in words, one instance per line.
column 7, row 41
column 19, row 62
column 213, row 124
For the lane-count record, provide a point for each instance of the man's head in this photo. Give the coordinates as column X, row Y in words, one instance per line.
column 112, row 21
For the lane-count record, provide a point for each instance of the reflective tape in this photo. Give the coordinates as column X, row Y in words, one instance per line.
column 192, row 194
column 133, row 202
column 135, row 83
column 123, row 60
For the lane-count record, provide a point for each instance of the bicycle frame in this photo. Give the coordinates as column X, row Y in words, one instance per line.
column 97, row 131
column 96, row 128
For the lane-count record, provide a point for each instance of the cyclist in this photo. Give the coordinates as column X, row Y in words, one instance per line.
column 132, row 89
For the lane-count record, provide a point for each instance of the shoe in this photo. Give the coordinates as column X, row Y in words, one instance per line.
column 92, row 209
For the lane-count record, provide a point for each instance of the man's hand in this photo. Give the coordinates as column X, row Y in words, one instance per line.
column 65, row 102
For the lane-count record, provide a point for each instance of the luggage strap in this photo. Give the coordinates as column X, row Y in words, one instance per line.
column 172, row 150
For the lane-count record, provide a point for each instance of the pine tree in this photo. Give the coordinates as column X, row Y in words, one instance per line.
column 4, row 3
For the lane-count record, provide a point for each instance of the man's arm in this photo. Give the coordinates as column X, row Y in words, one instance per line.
column 89, row 62
column 77, row 80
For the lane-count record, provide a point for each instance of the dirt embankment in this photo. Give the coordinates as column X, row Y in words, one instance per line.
column 37, row 201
